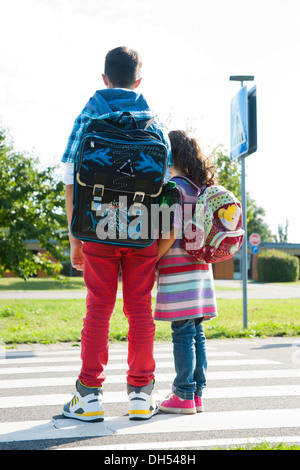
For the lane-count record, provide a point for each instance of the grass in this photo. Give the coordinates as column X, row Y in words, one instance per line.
column 38, row 283
column 51, row 321
column 264, row 446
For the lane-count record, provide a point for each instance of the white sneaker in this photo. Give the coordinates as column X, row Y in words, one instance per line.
column 86, row 404
column 141, row 401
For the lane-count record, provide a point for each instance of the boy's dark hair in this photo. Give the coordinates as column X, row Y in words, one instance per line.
column 189, row 159
column 123, row 67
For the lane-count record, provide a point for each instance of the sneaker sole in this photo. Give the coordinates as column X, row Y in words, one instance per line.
column 137, row 415
column 89, row 416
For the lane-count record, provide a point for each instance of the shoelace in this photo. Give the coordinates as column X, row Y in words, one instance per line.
column 170, row 396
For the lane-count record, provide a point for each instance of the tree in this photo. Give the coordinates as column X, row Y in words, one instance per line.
column 282, row 235
column 32, row 207
column 229, row 174
column 256, row 222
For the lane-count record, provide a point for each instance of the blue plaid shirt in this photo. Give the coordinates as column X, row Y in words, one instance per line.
column 111, row 103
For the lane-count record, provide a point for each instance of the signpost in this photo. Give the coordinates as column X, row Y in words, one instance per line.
column 254, row 240
column 243, row 143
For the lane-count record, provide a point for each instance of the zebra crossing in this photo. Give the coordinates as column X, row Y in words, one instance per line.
column 250, row 397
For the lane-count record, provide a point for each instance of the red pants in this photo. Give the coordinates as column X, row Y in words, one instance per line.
column 101, row 271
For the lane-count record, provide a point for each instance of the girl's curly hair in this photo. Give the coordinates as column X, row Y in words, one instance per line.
column 189, row 159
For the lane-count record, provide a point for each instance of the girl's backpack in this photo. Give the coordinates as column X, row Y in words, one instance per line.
column 214, row 233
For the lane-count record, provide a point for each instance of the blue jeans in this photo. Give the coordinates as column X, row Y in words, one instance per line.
column 189, row 347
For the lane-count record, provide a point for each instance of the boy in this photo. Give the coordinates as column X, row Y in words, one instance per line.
column 101, row 264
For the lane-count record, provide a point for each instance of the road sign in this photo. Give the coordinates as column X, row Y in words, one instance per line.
column 239, row 124
column 254, row 249
column 254, row 239
column 252, row 121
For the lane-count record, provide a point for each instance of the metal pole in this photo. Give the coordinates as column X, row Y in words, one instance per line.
column 242, row 78
column 244, row 247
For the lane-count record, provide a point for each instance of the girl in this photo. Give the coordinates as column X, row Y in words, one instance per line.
column 185, row 290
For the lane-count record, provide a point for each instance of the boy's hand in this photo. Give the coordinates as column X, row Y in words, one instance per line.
column 76, row 255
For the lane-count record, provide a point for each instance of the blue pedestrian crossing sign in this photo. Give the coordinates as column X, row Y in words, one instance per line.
column 239, row 142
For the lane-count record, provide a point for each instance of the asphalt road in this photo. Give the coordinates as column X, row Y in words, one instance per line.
column 252, row 395
column 231, row 289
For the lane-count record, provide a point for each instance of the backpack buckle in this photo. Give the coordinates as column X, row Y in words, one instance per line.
column 98, row 191
column 136, row 208
column 138, row 197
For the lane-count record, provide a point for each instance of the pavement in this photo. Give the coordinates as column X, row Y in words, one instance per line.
column 257, row 290
column 252, row 396
column 230, row 289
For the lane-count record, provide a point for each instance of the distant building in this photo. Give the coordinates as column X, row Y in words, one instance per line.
column 231, row 269
column 34, row 247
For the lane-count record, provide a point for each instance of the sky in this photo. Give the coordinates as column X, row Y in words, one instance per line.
column 52, row 56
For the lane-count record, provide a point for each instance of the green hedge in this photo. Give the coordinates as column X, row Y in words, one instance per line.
column 277, row 266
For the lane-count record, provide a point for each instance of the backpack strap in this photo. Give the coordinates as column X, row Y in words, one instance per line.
column 128, row 114
column 98, row 191
column 200, row 190
column 137, row 124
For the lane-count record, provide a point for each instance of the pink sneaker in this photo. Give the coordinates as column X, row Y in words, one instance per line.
column 198, row 404
column 174, row 404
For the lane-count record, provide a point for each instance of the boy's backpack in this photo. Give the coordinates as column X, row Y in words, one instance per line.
column 215, row 231
column 118, row 176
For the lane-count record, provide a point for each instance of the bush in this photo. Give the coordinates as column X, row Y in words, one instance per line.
column 277, row 266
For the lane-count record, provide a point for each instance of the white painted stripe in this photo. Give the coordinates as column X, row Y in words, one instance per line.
column 62, row 358
column 110, row 367
column 212, row 363
column 71, row 368
column 76, row 352
column 227, row 420
column 223, row 420
column 61, row 399
column 194, row 444
column 63, row 381
column 38, row 370
column 45, row 429
column 254, row 374
column 122, row 397
column 246, row 392
column 35, row 400
column 167, row 377
column 40, row 382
